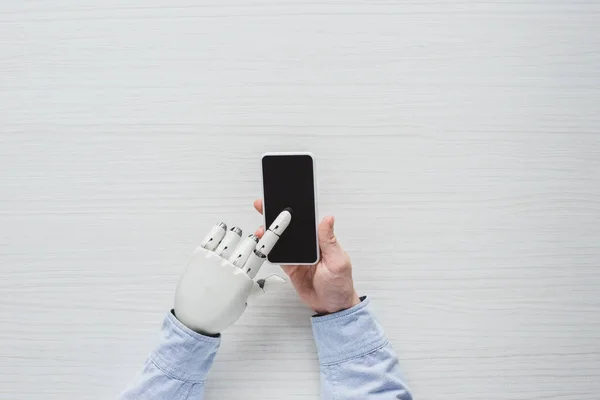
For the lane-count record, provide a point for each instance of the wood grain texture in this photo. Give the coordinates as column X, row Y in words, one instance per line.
column 457, row 143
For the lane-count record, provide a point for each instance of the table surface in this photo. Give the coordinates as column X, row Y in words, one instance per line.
column 457, row 145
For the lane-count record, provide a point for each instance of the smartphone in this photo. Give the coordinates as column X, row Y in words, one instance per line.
column 289, row 180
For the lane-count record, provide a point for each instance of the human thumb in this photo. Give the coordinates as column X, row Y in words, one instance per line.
column 327, row 240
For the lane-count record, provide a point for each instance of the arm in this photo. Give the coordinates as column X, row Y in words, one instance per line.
column 178, row 366
column 211, row 295
column 357, row 361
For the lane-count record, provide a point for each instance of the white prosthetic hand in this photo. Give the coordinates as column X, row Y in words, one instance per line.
column 218, row 283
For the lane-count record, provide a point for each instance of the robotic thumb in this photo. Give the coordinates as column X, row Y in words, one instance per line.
column 265, row 285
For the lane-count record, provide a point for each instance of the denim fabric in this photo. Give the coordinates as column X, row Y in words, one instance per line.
column 357, row 361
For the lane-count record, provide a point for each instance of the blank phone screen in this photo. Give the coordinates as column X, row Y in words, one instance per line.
column 289, row 181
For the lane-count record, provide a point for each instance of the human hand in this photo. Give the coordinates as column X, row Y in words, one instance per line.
column 326, row 287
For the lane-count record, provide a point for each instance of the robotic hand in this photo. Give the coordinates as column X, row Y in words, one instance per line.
column 214, row 290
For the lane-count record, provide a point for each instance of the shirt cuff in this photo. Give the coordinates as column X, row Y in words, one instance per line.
column 347, row 334
column 182, row 353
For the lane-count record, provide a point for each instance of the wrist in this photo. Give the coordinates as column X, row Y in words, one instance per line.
column 338, row 306
column 354, row 301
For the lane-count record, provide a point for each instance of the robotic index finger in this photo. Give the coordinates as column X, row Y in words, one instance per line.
column 249, row 255
column 272, row 235
column 267, row 242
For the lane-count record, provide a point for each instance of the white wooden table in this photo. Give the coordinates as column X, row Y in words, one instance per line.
column 458, row 145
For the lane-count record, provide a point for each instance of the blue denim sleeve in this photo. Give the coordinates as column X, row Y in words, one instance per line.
column 357, row 361
column 178, row 367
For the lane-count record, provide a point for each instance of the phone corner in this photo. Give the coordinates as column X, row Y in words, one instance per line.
column 318, row 255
